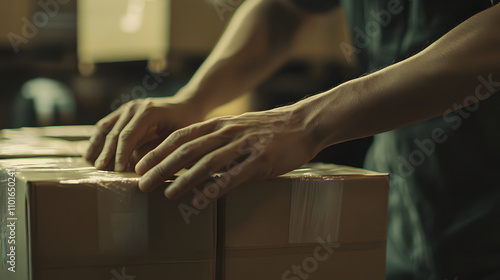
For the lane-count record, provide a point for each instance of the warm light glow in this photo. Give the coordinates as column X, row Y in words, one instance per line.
column 131, row 22
column 118, row 30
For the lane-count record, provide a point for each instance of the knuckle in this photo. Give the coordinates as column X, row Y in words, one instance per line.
column 125, row 135
column 112, row 135
column 134, row 102
column 126, row 106
column 176, row 136
column 232, row 130
column 103, row 126
column 184, row 149
column 132, row 105
column 219, row 122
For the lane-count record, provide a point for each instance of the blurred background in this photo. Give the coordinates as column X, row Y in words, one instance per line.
column 65, row 62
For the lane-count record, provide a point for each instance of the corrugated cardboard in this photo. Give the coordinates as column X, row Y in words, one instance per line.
column 75, row 222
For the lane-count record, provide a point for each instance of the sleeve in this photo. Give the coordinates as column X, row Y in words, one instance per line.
column 316, row 6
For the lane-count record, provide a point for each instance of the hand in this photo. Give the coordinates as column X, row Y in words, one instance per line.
column 124, row 136
column 249, row 147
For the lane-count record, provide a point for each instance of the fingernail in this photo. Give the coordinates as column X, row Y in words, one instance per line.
column 119, row 167
column 99, row 164
column 138, row 168
column 145, row 184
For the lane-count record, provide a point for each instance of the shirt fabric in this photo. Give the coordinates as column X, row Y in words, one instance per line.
column 444, row 198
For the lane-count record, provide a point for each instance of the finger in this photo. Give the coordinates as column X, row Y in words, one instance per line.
column 225, row 158
column 109, row 149
column 110, row 166
column 178, row 159
column 133, row 135
column 248, row 170
column 173, row 141
column 142, row 150
column 96, row 142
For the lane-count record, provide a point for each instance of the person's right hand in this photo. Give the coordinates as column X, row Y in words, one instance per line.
column 135, row 127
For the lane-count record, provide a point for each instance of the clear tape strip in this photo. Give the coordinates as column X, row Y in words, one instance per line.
column 315, row 210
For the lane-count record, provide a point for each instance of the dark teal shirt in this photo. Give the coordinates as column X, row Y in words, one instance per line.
column 444, row 201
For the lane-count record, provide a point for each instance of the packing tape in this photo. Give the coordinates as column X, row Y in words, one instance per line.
column 315, row 210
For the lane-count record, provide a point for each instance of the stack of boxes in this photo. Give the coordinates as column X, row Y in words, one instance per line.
column 75, row 222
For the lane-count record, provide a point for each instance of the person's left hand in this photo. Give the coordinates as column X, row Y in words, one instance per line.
column 249, row 147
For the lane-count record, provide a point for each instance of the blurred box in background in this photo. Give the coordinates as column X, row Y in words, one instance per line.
column 122, row 30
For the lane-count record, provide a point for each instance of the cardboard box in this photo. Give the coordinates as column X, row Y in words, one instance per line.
column 74, row 222
column 319, row 222
column 25, row 147
column 49, row 141
column 69, row 132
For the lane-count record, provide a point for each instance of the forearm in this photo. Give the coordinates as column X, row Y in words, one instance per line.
column 442, row 77
column 258, row 40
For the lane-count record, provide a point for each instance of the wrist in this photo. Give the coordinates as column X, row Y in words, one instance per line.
column 310, row 113
column 327, row 117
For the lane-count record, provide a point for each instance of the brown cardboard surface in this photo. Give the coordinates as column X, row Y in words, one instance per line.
column 258, row 215
column 364, row 210
column 269, row 265
column 261, row 240
column 81, row 218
